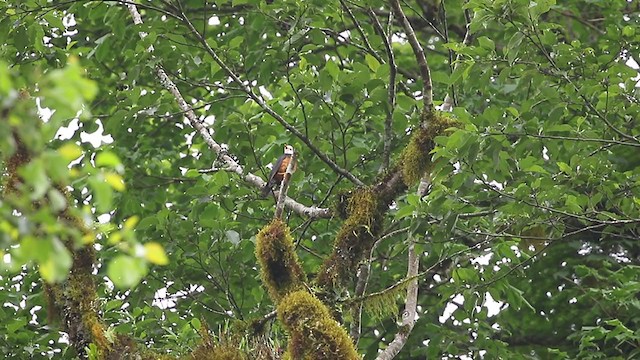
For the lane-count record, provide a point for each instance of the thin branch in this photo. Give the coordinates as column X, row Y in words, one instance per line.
column 615, row 221
column 372, row 51
column 260, row 101
column 569, row 138
column 425, row 73
column 580, row 20
column 451, row 101
column 409, row 314
column 230, row 163
column 515, row 267
column 393, row 70
column 424, row 19
column 355, row 328
column 61, row 4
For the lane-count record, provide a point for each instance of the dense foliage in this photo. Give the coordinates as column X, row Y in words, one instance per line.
column 125, row 232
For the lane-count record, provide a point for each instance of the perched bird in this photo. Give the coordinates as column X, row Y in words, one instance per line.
column 279, row 169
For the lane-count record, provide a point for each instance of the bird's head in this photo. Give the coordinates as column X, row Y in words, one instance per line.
column 288, row 150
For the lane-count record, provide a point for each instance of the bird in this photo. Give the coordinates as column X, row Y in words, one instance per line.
column 279, row 169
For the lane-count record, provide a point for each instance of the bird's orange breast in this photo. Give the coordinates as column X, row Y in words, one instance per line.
column 283, row 168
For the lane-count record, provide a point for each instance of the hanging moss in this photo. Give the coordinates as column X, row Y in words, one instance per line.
column 280, row 268
column 416, row 157
column 314, row 334
column 355, row 237
column 382, row 305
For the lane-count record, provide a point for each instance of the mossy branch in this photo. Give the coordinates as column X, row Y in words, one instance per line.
column 314, row 334
column 280, row 267
column 73, row 300
column 355, row 237
column 366, row 206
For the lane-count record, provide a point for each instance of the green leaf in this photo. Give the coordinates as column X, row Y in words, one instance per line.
column 564, row 167
column 486, row 43
column 513, row 47
column 372, row 62
column 108, row 159
column 35, row 175
column 103, row 195
column 55, row 267
column 332, row 69
column 126, row 271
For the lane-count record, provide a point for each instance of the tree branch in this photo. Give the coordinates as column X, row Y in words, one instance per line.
column 361, row 31
column 451, row 101
column 355, row 328
column 230, row 162
column 425, row 73
column 409, row 313
column 393, row 70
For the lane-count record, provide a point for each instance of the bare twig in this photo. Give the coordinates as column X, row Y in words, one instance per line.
column 450, row 100
column 393, row 70
column 425, row 73
column 569, row 138
column 372, row 51
column 230, row 163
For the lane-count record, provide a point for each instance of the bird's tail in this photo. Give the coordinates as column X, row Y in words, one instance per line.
column 265, row 190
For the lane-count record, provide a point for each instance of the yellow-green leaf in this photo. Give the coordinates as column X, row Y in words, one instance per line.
column 108, row 159
column 70, row 151
column 115, row 181
column 155, row 254
column 131, row 222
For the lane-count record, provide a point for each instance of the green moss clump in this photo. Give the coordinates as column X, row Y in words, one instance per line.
column 210, row 349
column 315, row 335
column 416, row 157
column 125, row 348
column 218, row 352
column 355, row 238
column 280, row 267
